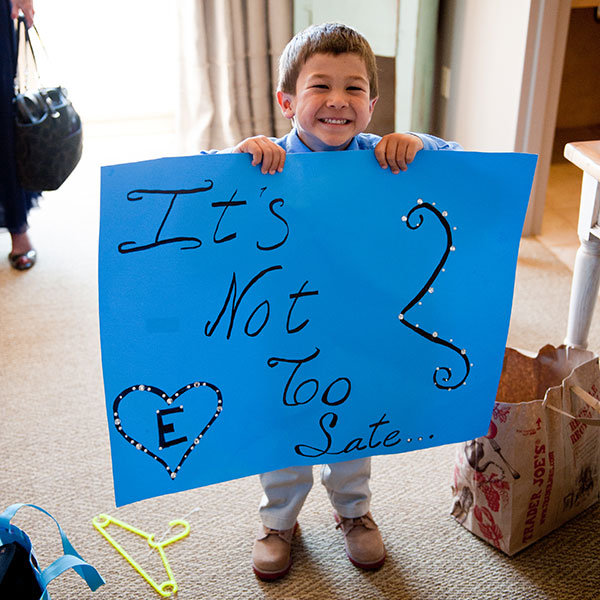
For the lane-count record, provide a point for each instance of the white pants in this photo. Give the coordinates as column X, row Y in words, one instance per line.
column 285, row 490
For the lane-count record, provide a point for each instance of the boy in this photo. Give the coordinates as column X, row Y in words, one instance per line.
column 328, row 89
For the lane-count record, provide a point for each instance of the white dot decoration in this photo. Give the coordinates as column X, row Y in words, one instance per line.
column 433, row 336
column 463, row 351
column 196, row 384
column 141, row 388
column 173, row 475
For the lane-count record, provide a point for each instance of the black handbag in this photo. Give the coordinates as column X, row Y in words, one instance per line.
column 17, row 574
column 48, row 132
column 21, row 578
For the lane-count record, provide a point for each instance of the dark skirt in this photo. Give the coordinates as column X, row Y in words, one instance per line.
column 15, row 202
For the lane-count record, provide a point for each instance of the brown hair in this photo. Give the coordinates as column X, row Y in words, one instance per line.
column 328, row 38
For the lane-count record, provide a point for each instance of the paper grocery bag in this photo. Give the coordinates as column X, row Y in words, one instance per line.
column 538, row 466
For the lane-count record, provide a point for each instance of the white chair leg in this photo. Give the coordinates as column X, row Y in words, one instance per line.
column 584, row 291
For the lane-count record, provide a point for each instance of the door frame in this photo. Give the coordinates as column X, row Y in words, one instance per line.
column 540, row 92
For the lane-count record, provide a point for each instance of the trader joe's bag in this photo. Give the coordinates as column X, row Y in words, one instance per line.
column 538, row 466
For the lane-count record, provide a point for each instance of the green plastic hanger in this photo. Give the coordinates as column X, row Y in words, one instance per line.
column 166, row 588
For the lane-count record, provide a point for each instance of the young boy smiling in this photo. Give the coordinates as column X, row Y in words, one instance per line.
column 328, row 89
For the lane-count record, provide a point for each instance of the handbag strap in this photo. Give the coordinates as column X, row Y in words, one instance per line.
column 22, row 25
column 70, row 560
column 585, row 397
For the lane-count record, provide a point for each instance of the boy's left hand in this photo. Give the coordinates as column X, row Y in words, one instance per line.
column 397, row 150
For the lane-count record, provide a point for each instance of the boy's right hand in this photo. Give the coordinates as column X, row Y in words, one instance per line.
column 264, row 152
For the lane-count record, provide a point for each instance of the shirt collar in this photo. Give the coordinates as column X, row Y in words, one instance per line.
column 295, row 144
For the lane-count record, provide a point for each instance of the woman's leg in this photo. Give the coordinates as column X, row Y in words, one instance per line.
column 21, row 244
column 15, row 202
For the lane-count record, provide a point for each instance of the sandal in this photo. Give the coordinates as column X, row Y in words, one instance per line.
column 23, row 261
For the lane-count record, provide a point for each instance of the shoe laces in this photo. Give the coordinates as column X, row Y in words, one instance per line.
column 285, row 534
column 347, row 524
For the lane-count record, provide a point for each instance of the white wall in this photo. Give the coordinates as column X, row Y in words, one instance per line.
column 377, row 20
column 485, row 53
column 118, row 58
column 402, row 29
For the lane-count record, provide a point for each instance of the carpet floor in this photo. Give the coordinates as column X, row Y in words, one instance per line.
column 54, row 449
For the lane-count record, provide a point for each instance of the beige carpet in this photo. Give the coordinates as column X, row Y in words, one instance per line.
column 54, row 449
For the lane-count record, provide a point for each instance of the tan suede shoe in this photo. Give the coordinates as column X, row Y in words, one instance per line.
column 364, row 545
column 271, row 555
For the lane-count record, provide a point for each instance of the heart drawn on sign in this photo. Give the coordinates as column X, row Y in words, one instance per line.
column 167, row 428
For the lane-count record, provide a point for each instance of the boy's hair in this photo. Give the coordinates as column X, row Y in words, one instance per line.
column 328, row 38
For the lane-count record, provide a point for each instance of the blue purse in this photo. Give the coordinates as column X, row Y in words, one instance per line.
column 20, row 575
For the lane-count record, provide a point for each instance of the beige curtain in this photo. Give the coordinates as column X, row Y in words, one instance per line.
column 229, row 50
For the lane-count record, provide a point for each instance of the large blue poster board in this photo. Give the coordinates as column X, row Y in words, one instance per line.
column 334, row 311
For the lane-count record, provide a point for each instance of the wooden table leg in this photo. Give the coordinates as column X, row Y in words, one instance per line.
column 586, row 274
column 584, row 291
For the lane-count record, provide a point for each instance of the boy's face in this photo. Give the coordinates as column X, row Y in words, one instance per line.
column 332, row 102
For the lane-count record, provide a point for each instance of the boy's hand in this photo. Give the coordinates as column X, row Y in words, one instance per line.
column 397, row 150
column 263, row 151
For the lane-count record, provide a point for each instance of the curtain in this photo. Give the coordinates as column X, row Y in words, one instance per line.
column 228, row 57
